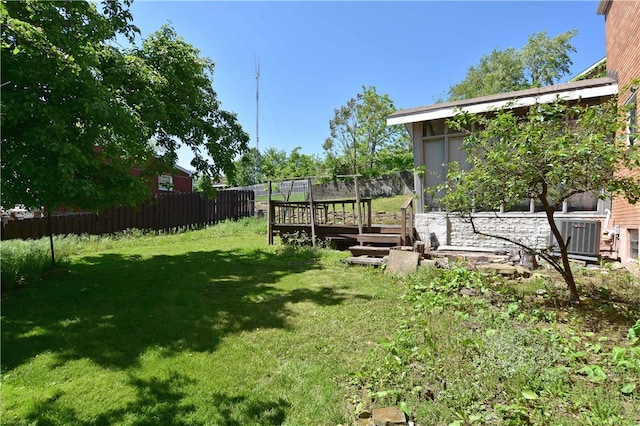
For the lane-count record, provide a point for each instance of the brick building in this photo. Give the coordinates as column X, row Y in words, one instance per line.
column 622, row 33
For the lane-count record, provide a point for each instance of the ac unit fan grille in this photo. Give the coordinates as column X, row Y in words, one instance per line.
column 583, row 235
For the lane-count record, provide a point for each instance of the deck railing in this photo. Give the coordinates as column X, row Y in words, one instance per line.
column 339, row 212
column 406, row 211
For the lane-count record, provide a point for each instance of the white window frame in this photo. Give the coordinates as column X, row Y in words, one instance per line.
column 444, row 137
column 165, row 182
column 449, row 134
column 634, row 246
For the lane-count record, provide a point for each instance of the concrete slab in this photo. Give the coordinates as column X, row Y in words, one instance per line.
column 402, row 262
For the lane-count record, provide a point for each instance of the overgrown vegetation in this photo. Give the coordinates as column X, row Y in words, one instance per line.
column 502, row 354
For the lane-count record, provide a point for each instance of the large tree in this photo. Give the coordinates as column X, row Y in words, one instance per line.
column 358, row 134
column 542, row 61
column 80, row 111
column 551, row 153
column 255, row 167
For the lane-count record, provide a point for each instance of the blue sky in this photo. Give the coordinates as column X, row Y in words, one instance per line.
column 315, row 56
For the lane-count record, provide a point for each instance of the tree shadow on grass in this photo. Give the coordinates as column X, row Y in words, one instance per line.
column 112, row 308
column 161, row 402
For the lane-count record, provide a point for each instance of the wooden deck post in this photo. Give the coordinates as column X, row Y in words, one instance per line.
column 313, row 216
column 355, row 179
column 270, row 214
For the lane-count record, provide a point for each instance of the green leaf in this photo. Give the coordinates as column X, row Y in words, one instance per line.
column 404, row 407
column 628, row 388
column 618, row 354
column 529, row 394
column 595, row 373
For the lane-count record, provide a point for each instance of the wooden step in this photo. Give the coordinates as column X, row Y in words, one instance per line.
column 369, row 251
column 391, row 239
column 387, row 229
column 363, row 260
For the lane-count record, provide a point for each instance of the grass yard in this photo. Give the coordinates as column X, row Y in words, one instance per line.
column 214, row 327
column 209, row 327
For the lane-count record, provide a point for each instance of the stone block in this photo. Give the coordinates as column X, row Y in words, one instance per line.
column 402, row 262
column 389, row 416
column 500, row 269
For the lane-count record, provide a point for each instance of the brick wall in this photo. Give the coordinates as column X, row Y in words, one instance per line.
column 622, row 29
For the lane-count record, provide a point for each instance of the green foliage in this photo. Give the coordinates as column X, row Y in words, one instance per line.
column 634, row 333
column 247, row 169
column 542, row 61
column 546, row 59
column 80, row 113
column 493, row 358
column 360, row 141
column 23, row 262
column 551, row 153
column 255, row 167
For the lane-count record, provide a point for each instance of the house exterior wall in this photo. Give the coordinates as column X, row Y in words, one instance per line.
column 182, row 182
column 531, row 229
column 622, row 31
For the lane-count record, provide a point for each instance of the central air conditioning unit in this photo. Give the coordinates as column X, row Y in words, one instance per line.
column 584, row 237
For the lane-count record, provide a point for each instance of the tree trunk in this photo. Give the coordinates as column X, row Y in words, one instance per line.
column 565, row 271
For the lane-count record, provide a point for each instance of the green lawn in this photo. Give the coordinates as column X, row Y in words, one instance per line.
column 209, row 327
column 214, row 327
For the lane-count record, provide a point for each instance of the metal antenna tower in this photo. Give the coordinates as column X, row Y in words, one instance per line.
column 257, row 102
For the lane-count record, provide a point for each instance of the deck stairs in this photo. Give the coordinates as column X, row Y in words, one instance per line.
column 374, row 247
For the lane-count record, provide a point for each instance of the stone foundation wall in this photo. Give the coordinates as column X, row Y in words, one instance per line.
column 531, row 229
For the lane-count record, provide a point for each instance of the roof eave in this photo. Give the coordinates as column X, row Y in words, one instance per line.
column 603, row 7
column 513, row 101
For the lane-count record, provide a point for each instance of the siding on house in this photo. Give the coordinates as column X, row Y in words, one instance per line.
column 622, row 32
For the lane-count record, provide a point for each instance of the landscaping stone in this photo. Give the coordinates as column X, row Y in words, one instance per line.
column 429, row 263
column 523, row 272
column 501, row 269
column 389, row 416
column 402, row 262
column 464, row 291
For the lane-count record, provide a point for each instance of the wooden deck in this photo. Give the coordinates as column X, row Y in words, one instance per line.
column 343, row 222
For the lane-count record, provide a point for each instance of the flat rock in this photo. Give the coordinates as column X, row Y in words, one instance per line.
column 497, row 268
column 389, row 416
column 429, row 263
column 523, row 272
column 402, row 262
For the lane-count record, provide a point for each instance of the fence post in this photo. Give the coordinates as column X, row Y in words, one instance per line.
column 270, row 213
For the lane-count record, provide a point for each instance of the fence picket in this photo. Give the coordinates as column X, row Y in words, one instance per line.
column 166, row 212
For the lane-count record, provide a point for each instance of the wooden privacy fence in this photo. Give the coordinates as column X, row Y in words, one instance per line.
column 165, row 212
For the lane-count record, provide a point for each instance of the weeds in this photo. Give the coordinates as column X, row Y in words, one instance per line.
column 473, row 349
